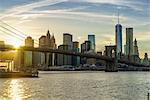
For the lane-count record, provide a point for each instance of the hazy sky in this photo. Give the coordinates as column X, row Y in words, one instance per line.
column 78, row 17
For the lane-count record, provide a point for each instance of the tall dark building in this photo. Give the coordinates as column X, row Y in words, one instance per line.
column 91, row 38
column 136, row 52
column 75, row 59
column 118, row 31
column 67, row 40
column 129, row 41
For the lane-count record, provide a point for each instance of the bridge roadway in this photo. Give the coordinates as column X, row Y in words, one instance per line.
column 105, row 58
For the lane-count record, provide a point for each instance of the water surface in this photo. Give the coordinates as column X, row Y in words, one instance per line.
column 77, row 86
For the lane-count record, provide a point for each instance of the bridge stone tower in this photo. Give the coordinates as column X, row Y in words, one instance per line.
column 111, row 52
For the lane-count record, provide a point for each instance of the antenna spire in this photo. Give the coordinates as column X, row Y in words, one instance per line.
column 118, row 16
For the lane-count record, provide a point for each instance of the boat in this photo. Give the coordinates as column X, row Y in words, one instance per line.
column 19, row 74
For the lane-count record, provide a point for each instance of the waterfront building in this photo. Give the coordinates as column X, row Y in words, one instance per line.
column 82, row 47
column 48, row 41
column 91, row 38
column 87, row 46
column 129, row 41
column 29, row 42
column 42, row 41
column 2, row 43
column 60, row 57
column 75, row 59
column 28, row 56
column 135, row 50
column 118, row 38
column 125, row 49
column 136, row 57
column 145, row 60
column 67, row 41
column 98, row 61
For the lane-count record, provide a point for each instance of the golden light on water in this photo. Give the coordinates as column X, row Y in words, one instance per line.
column 15, row 89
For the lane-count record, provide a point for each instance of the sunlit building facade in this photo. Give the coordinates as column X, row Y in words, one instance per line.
column 48, row 41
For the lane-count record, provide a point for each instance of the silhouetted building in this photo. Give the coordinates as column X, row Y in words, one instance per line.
column 75, row 59
column 42, row 41
column 86, row 48
column 29, row 42
column 98, row 61
column 136, row 57
column 60, row 57
column 135, row 50
column 118, row 31
column 48, row 41
column 145, row 60
column 2, row 43
column 67, row 41
column 28, row 55
column 129, row 41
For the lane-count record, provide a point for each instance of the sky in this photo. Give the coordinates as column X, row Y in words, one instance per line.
column 77, row 17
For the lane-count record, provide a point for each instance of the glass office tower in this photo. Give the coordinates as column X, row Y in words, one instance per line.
column 118, row 32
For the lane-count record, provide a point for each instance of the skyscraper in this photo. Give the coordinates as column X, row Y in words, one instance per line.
column 67, row 40
column 75, row 59
column 118, row 31
column 28, row 56
column 129, row 41
column 47, row 41
column 145, row 60
column 135, row 50
column 29, row 42
column 91, row 38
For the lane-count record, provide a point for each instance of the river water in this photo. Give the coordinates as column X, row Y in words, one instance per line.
column 77, row 86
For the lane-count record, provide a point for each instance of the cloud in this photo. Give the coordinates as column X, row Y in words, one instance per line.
column 135, row 5
column 28, row 7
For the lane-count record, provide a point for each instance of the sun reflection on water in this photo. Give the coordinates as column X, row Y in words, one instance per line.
column 15, row 89
column 12, row 90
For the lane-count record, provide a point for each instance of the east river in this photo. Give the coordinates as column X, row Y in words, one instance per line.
column 77, row 86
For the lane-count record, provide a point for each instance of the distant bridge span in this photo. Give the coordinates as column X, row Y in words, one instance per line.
column 105, row 58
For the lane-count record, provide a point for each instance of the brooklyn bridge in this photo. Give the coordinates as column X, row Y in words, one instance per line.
column 111, row 62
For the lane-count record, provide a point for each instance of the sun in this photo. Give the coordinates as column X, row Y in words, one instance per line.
column 16, row 42
column 17, row 45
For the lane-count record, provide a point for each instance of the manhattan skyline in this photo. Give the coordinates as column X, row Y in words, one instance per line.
column 79, row 18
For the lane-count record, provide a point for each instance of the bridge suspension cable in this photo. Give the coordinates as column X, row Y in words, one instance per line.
column 21, row 36
column 9, row 34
